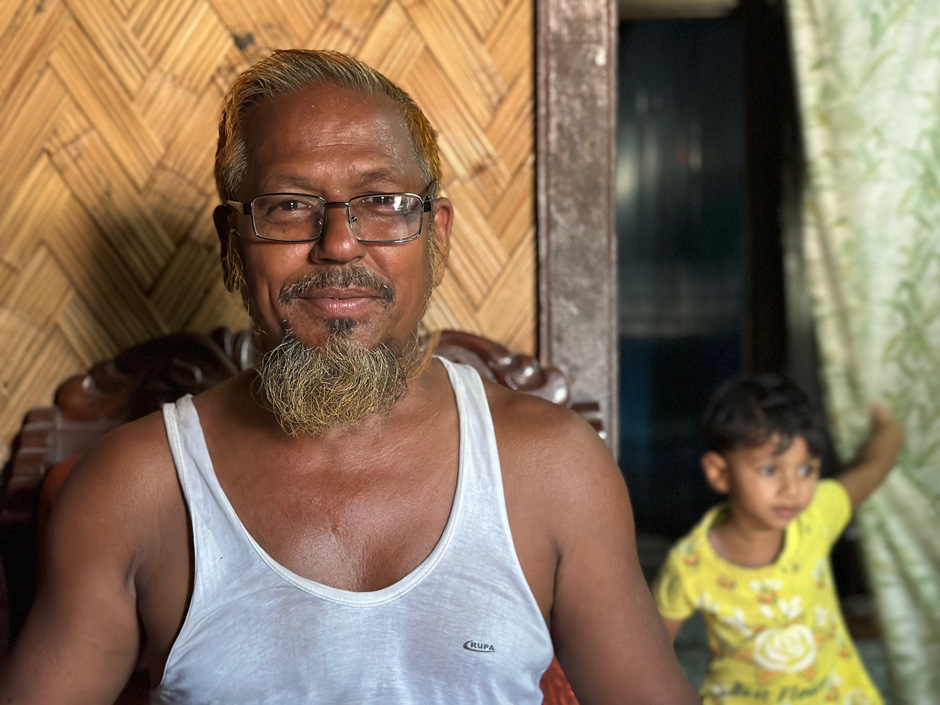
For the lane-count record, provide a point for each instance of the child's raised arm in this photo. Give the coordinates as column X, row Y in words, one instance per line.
column 876, row 457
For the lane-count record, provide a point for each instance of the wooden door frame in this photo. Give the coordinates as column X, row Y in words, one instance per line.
column 575, row 56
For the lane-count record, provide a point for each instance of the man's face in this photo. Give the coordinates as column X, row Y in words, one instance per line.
column 335, row 143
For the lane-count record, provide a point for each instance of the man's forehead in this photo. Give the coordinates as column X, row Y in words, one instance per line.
column 331, row 126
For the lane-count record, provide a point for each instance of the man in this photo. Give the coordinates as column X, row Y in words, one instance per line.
column 353, row 522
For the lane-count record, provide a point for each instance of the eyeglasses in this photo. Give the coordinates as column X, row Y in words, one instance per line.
column 387, row 218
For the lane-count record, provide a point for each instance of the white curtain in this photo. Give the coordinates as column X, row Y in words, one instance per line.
column 868, row 80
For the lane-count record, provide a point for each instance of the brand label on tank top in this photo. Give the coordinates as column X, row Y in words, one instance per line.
column 479, row 646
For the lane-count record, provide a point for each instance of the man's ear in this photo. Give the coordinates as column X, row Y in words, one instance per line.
column 443, row 214
column 716, row 472
column 232, row 273
column 223, row 228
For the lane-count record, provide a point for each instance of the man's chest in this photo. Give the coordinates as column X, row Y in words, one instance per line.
column 358, row 533
column 358, row 525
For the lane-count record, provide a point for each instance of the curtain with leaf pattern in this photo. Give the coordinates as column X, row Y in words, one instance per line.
column 868, row 81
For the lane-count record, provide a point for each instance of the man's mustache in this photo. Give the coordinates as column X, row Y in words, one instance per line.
column 346, row 277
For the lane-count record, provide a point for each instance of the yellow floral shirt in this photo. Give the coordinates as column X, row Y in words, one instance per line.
column 776, row 632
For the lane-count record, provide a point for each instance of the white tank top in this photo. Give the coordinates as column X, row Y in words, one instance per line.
column 462, row 627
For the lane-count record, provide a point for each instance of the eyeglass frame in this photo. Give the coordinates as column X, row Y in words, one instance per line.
column 427, row 202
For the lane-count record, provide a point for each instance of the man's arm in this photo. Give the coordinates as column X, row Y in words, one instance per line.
column 876, row 457
column 81, row 640
column 607, row 632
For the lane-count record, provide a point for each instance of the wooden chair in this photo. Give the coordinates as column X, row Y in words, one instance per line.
column 137, row 382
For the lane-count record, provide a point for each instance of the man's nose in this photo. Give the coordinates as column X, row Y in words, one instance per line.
column 337, row 241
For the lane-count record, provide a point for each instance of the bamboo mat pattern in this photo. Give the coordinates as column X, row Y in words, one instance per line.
column 109, row 117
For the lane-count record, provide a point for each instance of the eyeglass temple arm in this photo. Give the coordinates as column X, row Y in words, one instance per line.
column 429, row 198
column 243, row 208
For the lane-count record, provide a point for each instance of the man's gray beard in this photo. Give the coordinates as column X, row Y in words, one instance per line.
column 313, row 390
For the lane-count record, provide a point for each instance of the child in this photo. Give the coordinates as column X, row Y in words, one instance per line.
column 757, row 567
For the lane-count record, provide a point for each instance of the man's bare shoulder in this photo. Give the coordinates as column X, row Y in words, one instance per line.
column 126, row 452
column 541, row 430
column 134, row 460
column 127, row 480
column 550, row 452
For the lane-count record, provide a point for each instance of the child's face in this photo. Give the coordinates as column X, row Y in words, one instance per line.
column 768, row 489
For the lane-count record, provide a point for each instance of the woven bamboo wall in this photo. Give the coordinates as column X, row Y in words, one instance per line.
column 108, row 132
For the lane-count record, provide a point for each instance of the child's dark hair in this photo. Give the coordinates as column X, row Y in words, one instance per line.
column 752, row 409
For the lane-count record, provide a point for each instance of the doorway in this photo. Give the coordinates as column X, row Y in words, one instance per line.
column 680, row 215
